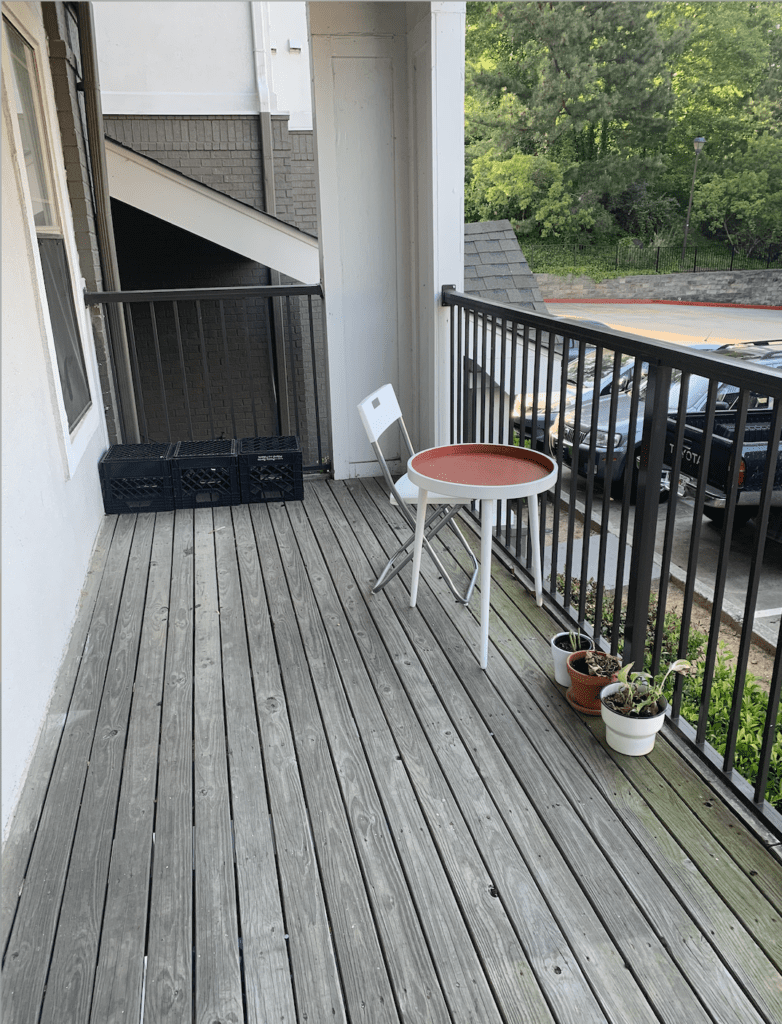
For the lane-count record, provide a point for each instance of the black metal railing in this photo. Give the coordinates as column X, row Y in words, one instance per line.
column 522, row 378
column 228, row 362
column 660, row 259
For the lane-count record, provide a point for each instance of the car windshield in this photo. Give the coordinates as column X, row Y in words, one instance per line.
column 591, row 367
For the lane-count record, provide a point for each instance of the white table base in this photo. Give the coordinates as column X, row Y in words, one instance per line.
column 488, row 506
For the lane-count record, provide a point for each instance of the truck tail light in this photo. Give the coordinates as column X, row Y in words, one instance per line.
column 742, row 473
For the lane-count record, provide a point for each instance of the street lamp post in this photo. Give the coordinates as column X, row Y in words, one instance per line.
column 698, row 143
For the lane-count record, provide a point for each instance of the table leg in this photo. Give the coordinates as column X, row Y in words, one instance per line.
column 534, row 536
column 487, row 523
column 418, row 543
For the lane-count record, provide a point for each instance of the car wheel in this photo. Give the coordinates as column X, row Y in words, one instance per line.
column 741, row 516
column 618, row 484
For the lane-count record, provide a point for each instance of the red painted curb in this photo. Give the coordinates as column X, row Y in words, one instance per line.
column 661, row 302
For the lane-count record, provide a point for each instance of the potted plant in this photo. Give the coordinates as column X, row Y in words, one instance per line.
column 633, row 708
column 563, row 644
column 589, row 672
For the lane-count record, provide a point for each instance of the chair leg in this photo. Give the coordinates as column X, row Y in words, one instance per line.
column 391, row 570
column 446, row 514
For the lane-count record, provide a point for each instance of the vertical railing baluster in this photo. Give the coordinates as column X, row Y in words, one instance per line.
column 645, row 527
column 273, row 367
column 228, row 368
column 136, row 370
column 207, row 381
column 178, row 329
column 318, row 438
column 481, row 436
column 770, row 725
column 460, row 347
column 670, row 524
column 602, row 558
column 248, row 349
column 294, row 375
column 721, row 574
column 161, row 378
column 753, row 582
column 563, row 385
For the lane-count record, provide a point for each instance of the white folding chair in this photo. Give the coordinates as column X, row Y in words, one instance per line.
column 378, row 412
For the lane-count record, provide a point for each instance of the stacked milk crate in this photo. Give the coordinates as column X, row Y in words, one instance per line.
column 200, row 474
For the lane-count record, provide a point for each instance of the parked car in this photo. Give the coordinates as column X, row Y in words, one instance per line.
column 531, row 406
column 623, row 444
column 754, row 445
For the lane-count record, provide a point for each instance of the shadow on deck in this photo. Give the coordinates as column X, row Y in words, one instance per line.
column 264, row 795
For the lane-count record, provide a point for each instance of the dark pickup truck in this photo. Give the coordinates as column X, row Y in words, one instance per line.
column 754, row 453
column 754, row 443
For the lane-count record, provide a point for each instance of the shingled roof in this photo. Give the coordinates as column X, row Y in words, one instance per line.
column 495, row 268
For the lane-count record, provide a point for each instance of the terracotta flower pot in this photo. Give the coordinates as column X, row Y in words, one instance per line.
column 584, row 691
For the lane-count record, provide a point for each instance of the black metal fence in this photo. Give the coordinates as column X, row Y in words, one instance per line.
column 228, row 362
column 520, row 378
column 660, row 259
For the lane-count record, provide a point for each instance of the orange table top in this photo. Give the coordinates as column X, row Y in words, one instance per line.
column 482, row 465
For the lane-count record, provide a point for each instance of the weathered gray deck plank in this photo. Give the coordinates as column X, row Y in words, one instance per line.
column 673, row 917
column 355, row 754
column 266, row 967
column 619, row 995
column 413, row 702
column 605, row 885
column 169, row 979
column 69, row 987
column 24, row 824
column 315, row 973
column 218, row 986
column 368, row 994
column 120, row 970
column 34, row 931
column 750, row 854
column 547, row 949
column 409, row 960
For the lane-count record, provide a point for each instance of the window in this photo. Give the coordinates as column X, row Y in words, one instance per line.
column 54, row 262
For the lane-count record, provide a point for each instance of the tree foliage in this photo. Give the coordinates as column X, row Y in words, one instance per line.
column 580, row 118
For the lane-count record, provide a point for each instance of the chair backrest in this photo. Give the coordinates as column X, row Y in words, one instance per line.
column 379, row 411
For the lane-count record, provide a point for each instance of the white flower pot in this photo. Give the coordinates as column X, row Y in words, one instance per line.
column 629, row 735
column 560, row 656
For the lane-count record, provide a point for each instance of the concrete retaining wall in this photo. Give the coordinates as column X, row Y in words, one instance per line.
column 739, row 287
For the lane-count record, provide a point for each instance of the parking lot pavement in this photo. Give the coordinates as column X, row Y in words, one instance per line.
column 686, row 325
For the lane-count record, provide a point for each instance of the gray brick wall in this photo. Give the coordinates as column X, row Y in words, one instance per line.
column 222, row 152
column 294, row 175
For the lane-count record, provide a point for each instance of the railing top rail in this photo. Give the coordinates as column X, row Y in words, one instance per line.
column 192, row 294
column 709, row 364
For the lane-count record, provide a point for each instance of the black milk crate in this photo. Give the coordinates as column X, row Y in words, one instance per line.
column 136, row 478
column 270, row 469
column 205, row 474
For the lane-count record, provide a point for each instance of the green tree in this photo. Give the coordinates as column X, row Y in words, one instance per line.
column 727, row 82
column 743, row 202
column 588, row 86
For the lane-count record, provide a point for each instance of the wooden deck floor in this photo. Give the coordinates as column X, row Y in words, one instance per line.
column 264, row 795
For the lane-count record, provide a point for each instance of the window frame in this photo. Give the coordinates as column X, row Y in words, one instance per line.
column 75, row 437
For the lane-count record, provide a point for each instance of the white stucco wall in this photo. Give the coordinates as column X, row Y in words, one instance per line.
column 51, row 503
column 198, row 58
